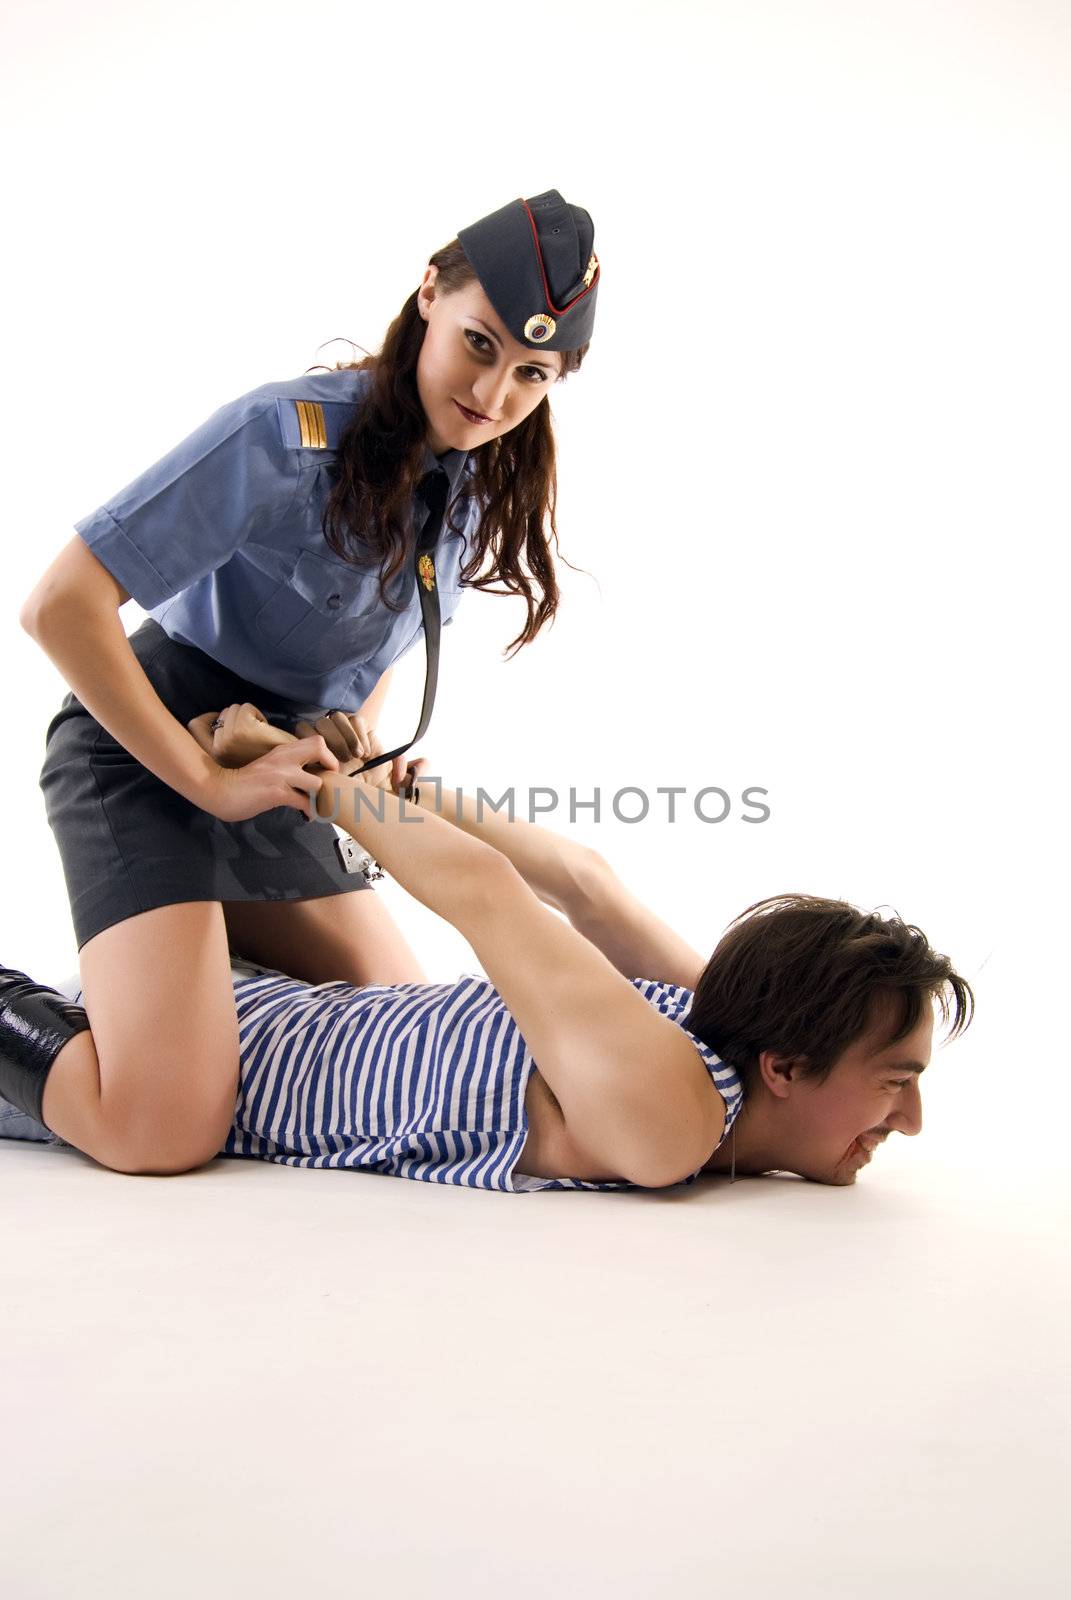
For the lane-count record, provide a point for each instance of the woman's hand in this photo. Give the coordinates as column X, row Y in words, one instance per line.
column 354, row 742
column 279, row 778
column 238, row 735
column 241, row 741
column 258, row 766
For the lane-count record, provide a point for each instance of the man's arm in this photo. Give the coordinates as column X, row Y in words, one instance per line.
column 580, row 883
column 565, row 875
column 634, row 1093
column 560, row 871
column 630, row 935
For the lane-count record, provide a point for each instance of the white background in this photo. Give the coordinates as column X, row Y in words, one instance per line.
column 814, row 465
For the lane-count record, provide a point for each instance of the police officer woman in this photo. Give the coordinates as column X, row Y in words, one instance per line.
column 287, row 553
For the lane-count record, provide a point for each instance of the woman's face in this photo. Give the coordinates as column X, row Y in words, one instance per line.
column 469, row 359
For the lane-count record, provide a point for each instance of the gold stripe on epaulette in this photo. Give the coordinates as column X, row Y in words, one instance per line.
column 312, row 424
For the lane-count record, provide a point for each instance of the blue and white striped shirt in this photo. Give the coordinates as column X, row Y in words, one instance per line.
column 416, row 1080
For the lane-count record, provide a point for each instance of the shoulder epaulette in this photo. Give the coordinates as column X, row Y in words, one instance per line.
column 313, row 424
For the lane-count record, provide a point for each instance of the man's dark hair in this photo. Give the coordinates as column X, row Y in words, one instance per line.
column 804, row 977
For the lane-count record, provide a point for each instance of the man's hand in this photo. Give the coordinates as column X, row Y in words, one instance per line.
column 351, row 739
column 259, row 766
column 238, row 735
column 343, row 733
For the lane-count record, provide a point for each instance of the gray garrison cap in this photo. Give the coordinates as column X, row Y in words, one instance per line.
column 535, row 261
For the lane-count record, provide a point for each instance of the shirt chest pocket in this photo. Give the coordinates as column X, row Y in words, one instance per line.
column 326, row 613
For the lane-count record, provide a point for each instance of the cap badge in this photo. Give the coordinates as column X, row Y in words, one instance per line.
column 426, row 568
column 593, row 267
column 540, row 328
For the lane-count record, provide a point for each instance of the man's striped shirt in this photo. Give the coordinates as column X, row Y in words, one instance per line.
column 416, row 1080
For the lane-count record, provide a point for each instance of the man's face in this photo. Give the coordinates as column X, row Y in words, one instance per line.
column 871, row 1092
column 469, row 359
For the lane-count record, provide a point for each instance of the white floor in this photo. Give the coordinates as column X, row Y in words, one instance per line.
column 257, row 1380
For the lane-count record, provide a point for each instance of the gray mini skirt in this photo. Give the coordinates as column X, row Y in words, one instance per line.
column 130, row 843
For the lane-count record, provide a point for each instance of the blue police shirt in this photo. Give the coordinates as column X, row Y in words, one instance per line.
column 222, row 543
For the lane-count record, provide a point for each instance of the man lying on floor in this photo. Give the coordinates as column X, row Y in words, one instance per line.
column 599, row 1052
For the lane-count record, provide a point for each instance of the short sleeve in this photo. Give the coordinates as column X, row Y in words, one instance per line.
column 188, row 514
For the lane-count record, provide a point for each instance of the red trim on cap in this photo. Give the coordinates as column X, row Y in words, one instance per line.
column 546, row 287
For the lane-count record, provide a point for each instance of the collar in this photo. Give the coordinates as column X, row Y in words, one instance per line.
column 452, row 463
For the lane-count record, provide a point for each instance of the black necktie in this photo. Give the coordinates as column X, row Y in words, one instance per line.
column 433, row 488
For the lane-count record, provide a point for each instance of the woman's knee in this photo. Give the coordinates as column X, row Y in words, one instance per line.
column 155, row 1142
column 161, row 1005
column 154, row 1164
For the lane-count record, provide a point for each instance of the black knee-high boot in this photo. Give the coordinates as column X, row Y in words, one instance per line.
column 35, row 1024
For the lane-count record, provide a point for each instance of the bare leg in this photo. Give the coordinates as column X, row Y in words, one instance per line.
column 351, row 937
column 152, row 1087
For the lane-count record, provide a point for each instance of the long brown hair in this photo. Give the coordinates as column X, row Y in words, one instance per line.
column 801, row 975
column 368, row 516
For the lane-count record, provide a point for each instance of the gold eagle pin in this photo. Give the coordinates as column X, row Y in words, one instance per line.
column 426, row 568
